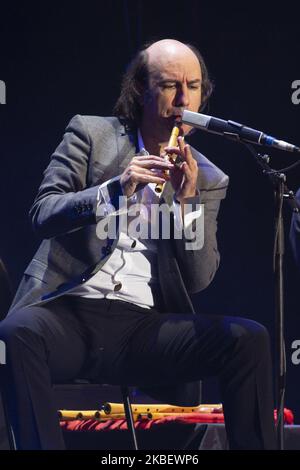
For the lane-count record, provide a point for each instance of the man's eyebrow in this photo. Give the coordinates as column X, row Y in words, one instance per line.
column 167, row 80
column 173, row 80
column 197, row 80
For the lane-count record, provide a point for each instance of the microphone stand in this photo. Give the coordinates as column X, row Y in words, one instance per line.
column 281, row 193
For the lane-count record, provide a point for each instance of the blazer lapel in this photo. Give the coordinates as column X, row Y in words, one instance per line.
column 167, row 194
column 126, row 143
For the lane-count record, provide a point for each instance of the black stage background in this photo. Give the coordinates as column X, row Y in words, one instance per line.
column 64, row 59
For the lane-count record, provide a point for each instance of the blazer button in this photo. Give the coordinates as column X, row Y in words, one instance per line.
column 118, row 286
column 106, row 250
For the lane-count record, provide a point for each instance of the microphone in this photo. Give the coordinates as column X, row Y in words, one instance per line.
column 234, row 130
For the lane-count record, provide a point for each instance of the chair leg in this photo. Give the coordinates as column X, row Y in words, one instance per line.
column 9, row 432
column 10, row 436
column 129, row 416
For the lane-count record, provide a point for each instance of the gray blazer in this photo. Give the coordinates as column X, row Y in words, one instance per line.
column 93, row 150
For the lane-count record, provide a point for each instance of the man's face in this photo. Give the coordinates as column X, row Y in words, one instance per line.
column 174, row 85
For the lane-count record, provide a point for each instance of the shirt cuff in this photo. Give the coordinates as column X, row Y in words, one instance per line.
column 110, row 195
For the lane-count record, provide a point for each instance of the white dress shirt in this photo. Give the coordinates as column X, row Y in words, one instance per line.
column 130, row 274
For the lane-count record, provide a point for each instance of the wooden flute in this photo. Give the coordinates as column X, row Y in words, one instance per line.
column 172, row 143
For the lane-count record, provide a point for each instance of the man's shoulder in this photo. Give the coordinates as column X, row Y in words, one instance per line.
column 210, row 176
column 96, row 124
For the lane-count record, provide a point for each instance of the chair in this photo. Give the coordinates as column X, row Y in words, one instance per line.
column 6, row 297
column 6, row 293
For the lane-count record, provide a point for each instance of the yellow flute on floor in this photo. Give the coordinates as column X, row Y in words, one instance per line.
column 71, row 415
column 161, row 408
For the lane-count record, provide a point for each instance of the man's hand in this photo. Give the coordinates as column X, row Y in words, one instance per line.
column 143, row 170
column 184, row 176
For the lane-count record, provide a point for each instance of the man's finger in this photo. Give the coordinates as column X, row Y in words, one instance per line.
column 146, row 157
column 188, row 154
column 162, row 164
column 171, row 150
column 180, row 141
column 145, row 171
column 187, row 170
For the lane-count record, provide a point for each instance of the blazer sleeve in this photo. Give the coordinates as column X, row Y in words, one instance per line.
column 64, row 203
column 198, row 266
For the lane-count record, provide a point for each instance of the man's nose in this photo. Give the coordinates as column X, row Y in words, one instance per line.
column 182, row 98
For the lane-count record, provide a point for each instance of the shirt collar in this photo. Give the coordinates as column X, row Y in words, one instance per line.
column 141, row 143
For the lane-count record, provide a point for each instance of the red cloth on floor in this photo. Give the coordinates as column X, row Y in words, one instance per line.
column 120, row 424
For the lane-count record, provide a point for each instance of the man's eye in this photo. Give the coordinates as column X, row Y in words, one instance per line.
column 169, row 85
column 194, row 87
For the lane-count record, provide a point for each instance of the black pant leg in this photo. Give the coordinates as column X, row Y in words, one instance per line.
column 149, row 349
column 43, row 345
column 140, row 347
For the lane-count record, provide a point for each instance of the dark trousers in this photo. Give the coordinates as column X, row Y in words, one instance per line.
column 117, row 342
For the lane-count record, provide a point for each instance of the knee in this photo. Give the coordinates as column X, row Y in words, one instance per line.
column 8, row 342
column 251, row 335
column 13, row 334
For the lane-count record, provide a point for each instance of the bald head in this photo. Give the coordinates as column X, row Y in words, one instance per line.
column 168, row 53
column 169, row 49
